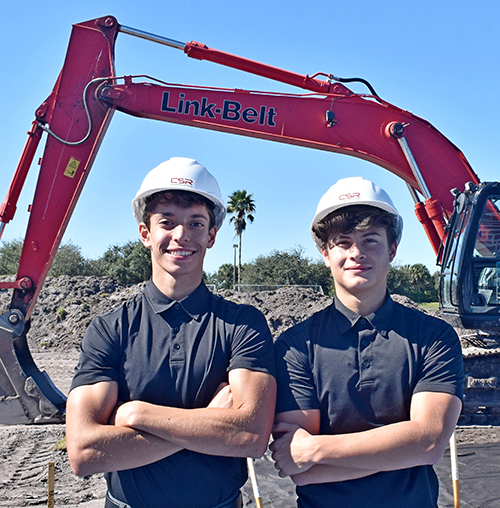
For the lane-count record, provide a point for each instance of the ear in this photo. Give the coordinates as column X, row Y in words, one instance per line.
column 326, row 259
column 392, row 251
column 211, row 237
column 145, row 235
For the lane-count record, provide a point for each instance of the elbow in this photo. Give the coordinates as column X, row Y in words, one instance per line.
column 252, row 436
column 434, row 450
column 261, row 435
column 299, row 480
column 435, row 454
column 80, row 471
column 259, row 444
column 79, row 466
column 257, row 449
column 253, row 444
column 82, row 461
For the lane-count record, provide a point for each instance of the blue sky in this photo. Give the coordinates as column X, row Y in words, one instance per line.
column 438, row 59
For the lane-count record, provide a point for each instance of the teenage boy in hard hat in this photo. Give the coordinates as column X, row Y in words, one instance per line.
column 369, row 391
column 174, row 388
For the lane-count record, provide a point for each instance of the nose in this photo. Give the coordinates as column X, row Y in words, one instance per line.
column 355, row 251
column 180, row 233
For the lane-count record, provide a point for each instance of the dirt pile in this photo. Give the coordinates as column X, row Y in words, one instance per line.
column 67, row 305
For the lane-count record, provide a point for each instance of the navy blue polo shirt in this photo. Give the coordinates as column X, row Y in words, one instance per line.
column 175, row 354
column 361, row 372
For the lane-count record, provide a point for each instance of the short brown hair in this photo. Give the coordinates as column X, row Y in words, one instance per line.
column 355, row 218
column 181, row 198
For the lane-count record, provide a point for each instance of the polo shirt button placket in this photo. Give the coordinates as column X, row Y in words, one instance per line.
column 177, row 354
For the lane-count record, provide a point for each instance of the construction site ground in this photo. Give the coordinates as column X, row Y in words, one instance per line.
column 64, row 310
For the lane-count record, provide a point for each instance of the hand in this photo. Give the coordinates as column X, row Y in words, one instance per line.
column 292, row 450
column 123, row 415
column 223, row 397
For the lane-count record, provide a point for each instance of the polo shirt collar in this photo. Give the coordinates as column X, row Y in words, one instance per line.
column 378, row 319
column 194, row 304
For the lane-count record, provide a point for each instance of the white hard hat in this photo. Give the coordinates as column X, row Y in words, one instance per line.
column 354, row 190
column 180, row 173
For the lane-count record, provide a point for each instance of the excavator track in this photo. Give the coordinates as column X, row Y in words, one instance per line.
column 481, row 355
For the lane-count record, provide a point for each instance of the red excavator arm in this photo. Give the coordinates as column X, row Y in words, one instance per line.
column 328, row 116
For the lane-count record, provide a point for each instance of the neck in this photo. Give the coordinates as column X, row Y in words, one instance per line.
column 359, row 303
column 176, row 288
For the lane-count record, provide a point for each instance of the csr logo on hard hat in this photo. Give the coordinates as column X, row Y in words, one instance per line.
column 181, row 181
column 349, row 195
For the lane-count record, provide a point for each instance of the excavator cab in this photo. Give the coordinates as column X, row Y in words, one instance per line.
column 470, row 265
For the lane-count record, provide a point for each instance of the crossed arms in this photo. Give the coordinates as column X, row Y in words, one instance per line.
column 103, row 435
column 305, row 456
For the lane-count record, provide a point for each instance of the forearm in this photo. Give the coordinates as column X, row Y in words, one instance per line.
column 347, row 456
column 395, row 446
column 213, row 431
column 103, row 448
column 236, row 428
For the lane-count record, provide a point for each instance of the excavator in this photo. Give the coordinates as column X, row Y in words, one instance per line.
column 459, row 213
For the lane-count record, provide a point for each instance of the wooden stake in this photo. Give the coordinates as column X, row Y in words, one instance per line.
column 50, row 497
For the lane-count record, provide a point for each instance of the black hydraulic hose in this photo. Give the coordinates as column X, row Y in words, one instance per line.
column 359, row 80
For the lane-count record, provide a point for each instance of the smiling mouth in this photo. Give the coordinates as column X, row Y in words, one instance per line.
column 182, row 253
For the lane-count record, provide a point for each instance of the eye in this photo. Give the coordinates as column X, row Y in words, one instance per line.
column 167, row 223
column 197, row 224
column 372, row 240
column 345, row 244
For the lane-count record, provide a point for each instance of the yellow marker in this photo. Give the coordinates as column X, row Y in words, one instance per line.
column 72, row 167
column 50, row 498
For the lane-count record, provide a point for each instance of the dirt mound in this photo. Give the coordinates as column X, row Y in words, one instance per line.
column 67, row 305
column 284, row 307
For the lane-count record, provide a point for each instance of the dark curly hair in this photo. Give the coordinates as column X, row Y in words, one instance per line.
column 354, row 218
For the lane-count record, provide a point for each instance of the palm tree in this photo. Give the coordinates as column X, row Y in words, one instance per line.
column 241, row 206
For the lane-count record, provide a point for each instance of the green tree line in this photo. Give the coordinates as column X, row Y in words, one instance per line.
column 130, row 263
column 292, row 267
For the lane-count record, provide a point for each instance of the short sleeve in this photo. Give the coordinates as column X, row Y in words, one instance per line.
column 99, row 355
column 252, row 343
column 442, row 368
column 296, row 385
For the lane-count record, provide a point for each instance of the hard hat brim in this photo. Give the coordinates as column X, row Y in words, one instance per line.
column 376, row 204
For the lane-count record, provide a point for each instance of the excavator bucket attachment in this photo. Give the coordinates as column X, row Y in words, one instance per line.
column 26, row 394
